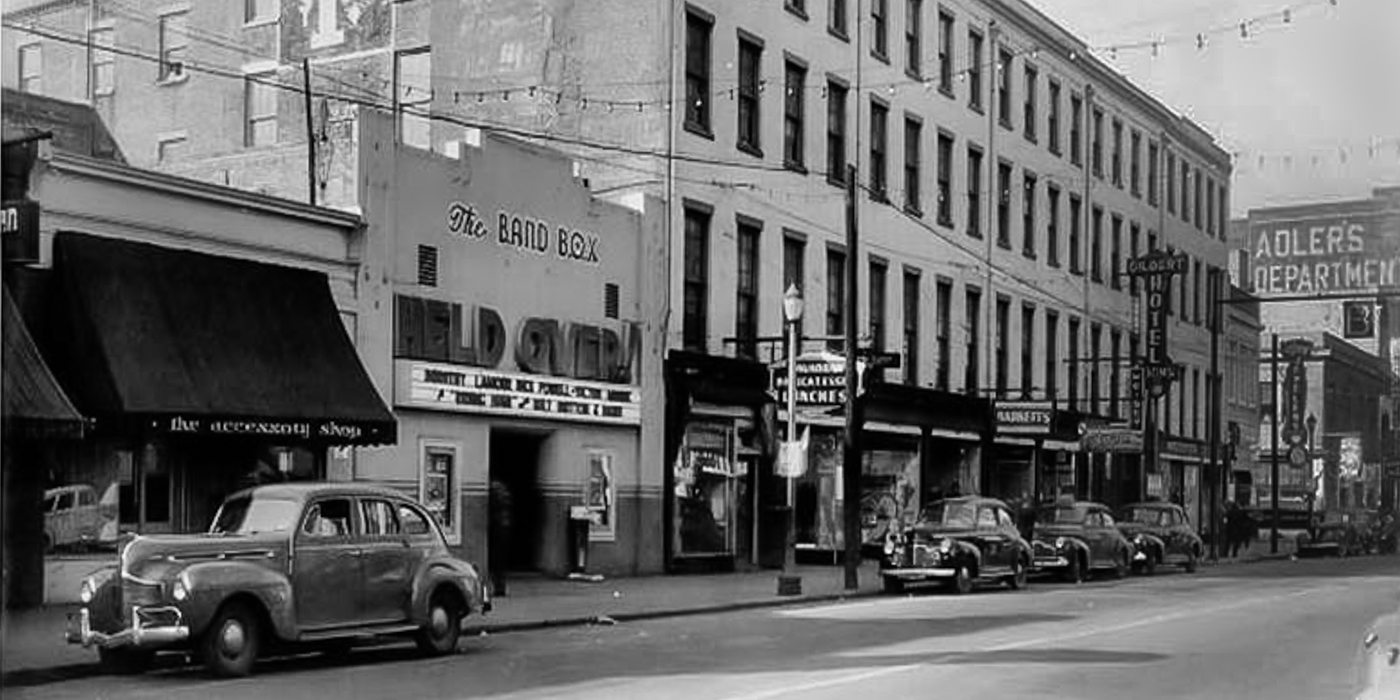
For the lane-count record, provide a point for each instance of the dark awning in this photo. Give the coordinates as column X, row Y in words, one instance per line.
column 34, row 404
column 927, row 408
column 189, row 343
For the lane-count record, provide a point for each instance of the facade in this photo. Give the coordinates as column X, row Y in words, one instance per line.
column 1240, row 394
column 1004, row 177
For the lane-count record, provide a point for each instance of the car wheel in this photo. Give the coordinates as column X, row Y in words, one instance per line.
column 1017, row 580
column 1122, row 565
column 230, row 645
column 962, row 581
column 1190, row 564
column 125, row 662
column 892, row 584
column 1149, row 567
column 439, row 634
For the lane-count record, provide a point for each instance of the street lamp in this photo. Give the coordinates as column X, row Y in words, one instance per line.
column 789, row 583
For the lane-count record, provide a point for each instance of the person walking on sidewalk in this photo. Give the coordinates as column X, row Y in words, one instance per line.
column 499, row 512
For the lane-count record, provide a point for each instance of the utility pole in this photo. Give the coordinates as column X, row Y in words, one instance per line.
column 850, row 447
column 1273, row 458
column 310, row 133
column 1213, row 429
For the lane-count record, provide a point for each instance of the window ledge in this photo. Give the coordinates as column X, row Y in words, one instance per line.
column 914, row 74
column 881, row 57
column 947, row 90
column 914, row 211
column 795, row 166
column 836, row 181
column 976, row 108
column 260, row 22
column 839, row 34
column 795, row 11
column 750, row 149
column 700, row 130
column 183, row 77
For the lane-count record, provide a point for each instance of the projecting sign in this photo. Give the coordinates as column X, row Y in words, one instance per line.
column 1359, row 319
column 476, row 390
column 1023, row 417
column 1111, row 439
column 19, row 222
column 1324, row 254
column 1158, row 267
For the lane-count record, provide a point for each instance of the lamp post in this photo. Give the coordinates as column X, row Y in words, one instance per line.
column 1311, row 422
column 789, row 583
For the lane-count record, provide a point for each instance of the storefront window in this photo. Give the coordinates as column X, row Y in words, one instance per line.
column 704, row 490
column 601, row 497
column 438, row 488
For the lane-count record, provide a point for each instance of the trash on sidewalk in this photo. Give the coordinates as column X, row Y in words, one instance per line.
column 591, row 578
column 602, row 620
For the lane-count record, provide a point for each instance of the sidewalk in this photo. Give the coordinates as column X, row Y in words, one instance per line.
column 32, row 646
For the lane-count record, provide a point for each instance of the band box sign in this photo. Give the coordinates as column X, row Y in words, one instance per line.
column 476, row 390
column 523, row 233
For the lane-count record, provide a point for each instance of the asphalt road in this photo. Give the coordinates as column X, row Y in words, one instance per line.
column 1278, row 630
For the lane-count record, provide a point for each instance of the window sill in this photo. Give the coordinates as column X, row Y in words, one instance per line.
column 879, row 195
column 750, row 149
column 1053, row 263
column 914, row 74
column 972, row 233
column 1004, row 245
column 260, row 22
column 1032, row 139
column 839, row 34
column 836, row 181
column 881, row 57
column 914, row 211
column 1028, row 254
column 947, row 222
column 795, row 166
column 796, row 11
column 976, row 108
column 700, row 130
column 946, row 89
column 180, row 79
column 1006, row 124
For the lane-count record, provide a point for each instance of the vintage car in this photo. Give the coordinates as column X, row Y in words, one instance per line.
column 1161, row 534
column 959, row 541
column 1074, row 538
column 1332, row 539
column 282, row 565
column 74, row 516
column 1378, row 661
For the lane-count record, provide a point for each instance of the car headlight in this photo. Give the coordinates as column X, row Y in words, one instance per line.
column 181, row 590
column 1140, row 540
column 889, row 545
column 1060, row 542
column 85, row 591
column 945, row 545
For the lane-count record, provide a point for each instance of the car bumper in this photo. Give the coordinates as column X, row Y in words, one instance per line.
column 1049, row 563
column 1139, row 556
column 150, row 628
column 916, row 574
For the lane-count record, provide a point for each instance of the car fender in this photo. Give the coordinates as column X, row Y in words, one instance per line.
column 1080, row 547
column 970, row 555
column 212, row 583
column 462, row 576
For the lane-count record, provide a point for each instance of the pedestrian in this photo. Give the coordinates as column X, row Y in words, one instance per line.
column 1233, row 530
column 499, row 512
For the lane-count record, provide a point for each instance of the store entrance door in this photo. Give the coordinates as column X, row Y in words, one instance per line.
column 515, row 500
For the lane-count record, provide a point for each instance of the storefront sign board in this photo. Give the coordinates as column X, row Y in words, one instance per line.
column 821, row 380
column 1024, row 417
column 1113, row 440
column 1332, row 253
column 524, row 233
column 476, row 390
column 19, row 226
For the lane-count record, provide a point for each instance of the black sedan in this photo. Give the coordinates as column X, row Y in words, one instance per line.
column 959, row 542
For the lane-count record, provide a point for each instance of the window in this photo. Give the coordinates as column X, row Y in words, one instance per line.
column 1171, row 183
column 911, row 327
column 835, row 297
column 1052, row 353
column 836, row 21
column 1052, row 124
column 972, row 329
column 1135, row 168
column 1097, row 145
column 1195, row 402
column 1076, row 129
column 944, row 325
column 1095, row 340
column 1195, row 291
column 913, row 37
column 1118, row 153
column 600, row 496
column 1027, row 350
column 746, row 288
column 172, row 46
column 750, row 65
column 1003, row 330
column 945, row 52
column 427, row 265
column 1073, row 362
column 878, row 277
column 945, row 181
column 794, row 115
column 1152, row 174
column 329, row 518
column 1115, row 345
column 1185, row 283
column 259, row 10
column 835, row 131
column 31, row 68
column 1030, row 119
column 974, row 70
column 259, row 110
column 880, row 29
column 1210, row 207
column 1221, row 212
column 1135, row 234
column 104, row 62
column 1004, row 205
column 1115, row 260
column 1052, row 226
column 697, row 72
column 879, row 131
column 1075, row 223
column 1096, row 245
column 170, row 148
column 794, row 267
column 913, row 133
column 1003, row 78
column 1196, row 197
column 697, row 279
column 1185, row 191
column 1028, row 216
column 438, row 489
column 415, row 98
column 379, row 518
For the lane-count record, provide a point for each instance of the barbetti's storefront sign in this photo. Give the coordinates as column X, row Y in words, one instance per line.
column 1024, row 417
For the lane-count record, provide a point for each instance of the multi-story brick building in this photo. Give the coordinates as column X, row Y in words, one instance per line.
column 1005, row 175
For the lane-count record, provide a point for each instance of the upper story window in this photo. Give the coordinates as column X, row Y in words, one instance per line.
column 1152, row 174
column 697, row 72
column 1097, row 146
column 750, row 65
column 746, row 288
column 1135, row 165
column 835, row 131
column 104, row 62
column 1171, row 183
column 1076, row 129
column 1030, row 116
column 173, row 44
column 879, row 148
column 835, row 297
column 945, row 52
column 974, row 69
column 913, row 136
column 1118, row 153
column 913, row 37
column 797, row 7
column 836, row 20
column 31, row 68
column 1052, row 124
column 260, row 10
column 695, row 315
column 945, row 179
column 1004, row 87
column 415, row 97
column 879, row 274
column 794, row 116
column 880, row 29
column 260, row 110
column 974, row 190
column 1052, row 226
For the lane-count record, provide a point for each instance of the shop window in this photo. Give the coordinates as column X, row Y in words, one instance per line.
column 703, row 491
column 600, row 495
column 438, row 485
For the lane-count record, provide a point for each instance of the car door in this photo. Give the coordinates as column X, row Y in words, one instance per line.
column 326, row 565
column 990, row 540
column 1007, row 525
column 1098, row 539
column 386, row 571
column 1113, row 539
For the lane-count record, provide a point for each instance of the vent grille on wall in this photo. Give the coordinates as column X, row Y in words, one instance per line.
column 427, row 265
column 610, row 302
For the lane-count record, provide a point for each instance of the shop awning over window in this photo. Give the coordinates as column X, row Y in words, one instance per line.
column 34, row 403
column 189, row 343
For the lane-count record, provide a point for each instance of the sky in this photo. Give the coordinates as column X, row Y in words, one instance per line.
column 1311, row 107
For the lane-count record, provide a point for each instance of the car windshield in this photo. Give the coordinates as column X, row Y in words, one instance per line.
column 246, row 515
column 1144, row 516
column 1061, row 514
column 950, row 514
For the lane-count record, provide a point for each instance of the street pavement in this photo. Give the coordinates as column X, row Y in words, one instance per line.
column 1276, row 629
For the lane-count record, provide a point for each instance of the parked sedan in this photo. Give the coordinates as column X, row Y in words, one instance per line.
column 958, row 541
column 283, row 565
column 1334, row 539
column 1378, row 661
column 1074, row 538
column 1161, row 534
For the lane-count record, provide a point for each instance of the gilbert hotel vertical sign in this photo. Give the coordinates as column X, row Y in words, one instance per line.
column 1155, row 373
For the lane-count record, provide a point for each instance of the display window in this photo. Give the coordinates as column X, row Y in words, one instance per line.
column 440, row 463
column 704, row 490
column 600, row 495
